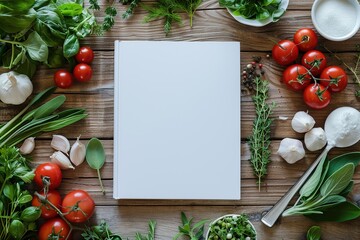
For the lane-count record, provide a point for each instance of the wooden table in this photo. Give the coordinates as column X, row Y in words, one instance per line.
column 211, row 23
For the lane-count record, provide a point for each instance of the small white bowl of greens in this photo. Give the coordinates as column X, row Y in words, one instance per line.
column 256, row 13
column 231, row 226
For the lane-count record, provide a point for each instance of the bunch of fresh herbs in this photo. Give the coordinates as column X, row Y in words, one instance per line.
column 48, row 32
column 259, row 141
column 193, row 231
column 313, row 233
column 323, row 196
column 255, row 9
column 17, row 216
column 100, row 232
column 33, row 122
column 151, row 232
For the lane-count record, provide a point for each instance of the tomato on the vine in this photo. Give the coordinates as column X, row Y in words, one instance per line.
column 78, row 206
column 316, row 96
column 315, row 61
column 85, row 55
column 335, row 77
column 285, row 52
column 51, row 172
column 82, row 72
column 296, row 77
column 63, row 78
column 47, row 211
column 306, row 39
column 55, row 228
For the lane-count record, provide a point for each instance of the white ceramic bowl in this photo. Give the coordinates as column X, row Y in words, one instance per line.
column 228, row 215
column 257, row 23
column 336, row 20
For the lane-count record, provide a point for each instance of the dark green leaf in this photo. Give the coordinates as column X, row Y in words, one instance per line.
column 27, row 67
column 339, row 161
column 348, row 189
column 17, row 229
column 36, row 47
column 16, row 5
column 184, row 219
column 340, row 213
column 338, row 181
column 313, row 233
column 25, row 198
column 30, row 214
column 56, row 58
column 9, row 191
column 49, row 107
column 314, row 181
column 71, row 46
column 13, row 21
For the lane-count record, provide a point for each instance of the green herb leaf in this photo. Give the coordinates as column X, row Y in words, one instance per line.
column 17, row 229
column 314, row 181
column 71, row 46
column 342, row 212
column 338, row 181
column 339, row 161
column 313, row 233
column 194, row 232
column 95, row 157
column 30, row 214
column 36, row 47
column 70, row 9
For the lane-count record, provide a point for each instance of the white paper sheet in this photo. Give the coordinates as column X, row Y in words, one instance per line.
column 177, row 120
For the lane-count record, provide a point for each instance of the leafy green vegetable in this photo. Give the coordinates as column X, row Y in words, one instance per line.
column 17, row 216
column 190, row 230
column 259, row 140
column 255, row 9
column 313, row 233
column 151, row 233
column 95, row 157
column 100, row 232
column 323, row 196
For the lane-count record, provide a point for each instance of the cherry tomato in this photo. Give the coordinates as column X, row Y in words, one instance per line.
column 306, row 39
column 316, row 96
column 78, row 206
column 55, row 228
column 285, row 52
column 315, row 61
column 335, row 77
column 47, row 211
column 85, row 55
column 51, row 172
column 63, row 78
column 82, row 72
column 296, row 77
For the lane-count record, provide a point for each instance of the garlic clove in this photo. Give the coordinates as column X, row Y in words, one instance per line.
column 77, row 152
column 60, row 143
column 60, row 159
column 291, row 150
column 28, row 146
column 302, row 122
column 315, row 139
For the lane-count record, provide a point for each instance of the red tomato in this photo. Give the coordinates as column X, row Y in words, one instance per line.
column 296, row 77
column 315, row 61
column 335, row 77
column 85, row 55
column 63, row 78
column 47, row 211
column 78, row 206
column 82, row 72
column 55, row 228
column 306, row 39
column 316, row 96
column 285, row 52
column 51, row 172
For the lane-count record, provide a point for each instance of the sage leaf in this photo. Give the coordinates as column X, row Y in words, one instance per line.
column 49, row 107
column 339, row 161
column 329, row 201
column 342, row 212
column 17, row 229
column 95, row 157
column 314, row 181
column 348, row 189
column 313, row 233
column 338, row 181
column 36, row 47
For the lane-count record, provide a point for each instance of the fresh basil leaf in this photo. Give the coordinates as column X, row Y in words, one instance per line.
column 27, row 67
column 277, row 14
column 9, row 191
column 313, row 233
column 339, row 161
column 70, row 9
column 30, row 214
column 17, row 229
column 36, row 47
column 16, row 5
column 71, row 46
column 264, row 14
column 13, row 22
column 56, row 58
column 342, row 212
column 338, row 181
column 25, row 198
column 41, row 3
column 1, row 206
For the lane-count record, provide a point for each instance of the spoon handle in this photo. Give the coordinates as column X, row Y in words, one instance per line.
column 273, row 214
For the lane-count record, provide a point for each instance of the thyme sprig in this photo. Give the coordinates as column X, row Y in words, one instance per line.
column 259, row 140
column 131, row 9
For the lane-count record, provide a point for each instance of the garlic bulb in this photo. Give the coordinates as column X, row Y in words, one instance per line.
column 28, row 146
column 302, row 122
column 315, row 139
column 77, row 152
column 14, row 88
column 291, row 150
column 60, row 159
column 60, row 143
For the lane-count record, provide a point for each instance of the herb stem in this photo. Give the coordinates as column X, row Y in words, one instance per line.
column 101, row 184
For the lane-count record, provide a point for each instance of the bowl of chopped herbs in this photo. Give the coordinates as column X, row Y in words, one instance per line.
column 231, row 226
column 256, row 13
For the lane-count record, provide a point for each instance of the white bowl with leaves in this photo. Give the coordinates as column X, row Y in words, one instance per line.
column 231, row 226
column 256, row 13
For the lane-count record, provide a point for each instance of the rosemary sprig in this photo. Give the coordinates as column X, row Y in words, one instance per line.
column 259, row 140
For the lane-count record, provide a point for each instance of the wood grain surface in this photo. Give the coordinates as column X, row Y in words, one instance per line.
column 211, row 23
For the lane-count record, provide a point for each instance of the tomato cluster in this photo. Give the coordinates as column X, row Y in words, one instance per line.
column 311, row 75
column 82, row 72
column 77, row 206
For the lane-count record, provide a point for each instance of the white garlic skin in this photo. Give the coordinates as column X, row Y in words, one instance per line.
column 60, row 159
column 60, row 143
column 28, row 146
column 315, row 139
column 77, row 152
column 302, row 122
column 291, row 150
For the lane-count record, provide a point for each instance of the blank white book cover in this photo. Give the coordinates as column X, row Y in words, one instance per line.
column 177, row 120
